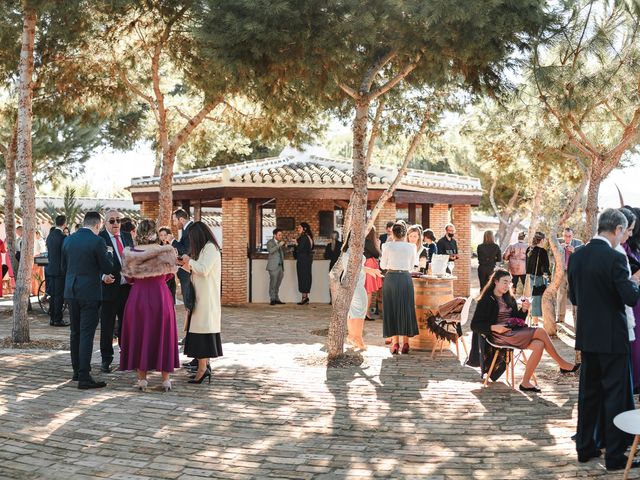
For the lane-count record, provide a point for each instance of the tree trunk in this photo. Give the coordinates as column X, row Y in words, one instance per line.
column 9, row 199
column 343, row 291
column 24, row 169
column 591, row 209
column 165, row 194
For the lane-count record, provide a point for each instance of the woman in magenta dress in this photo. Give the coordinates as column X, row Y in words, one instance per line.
column 632, row 247
column 149, row 338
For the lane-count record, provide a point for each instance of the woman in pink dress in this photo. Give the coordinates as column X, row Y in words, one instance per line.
column 149, row 337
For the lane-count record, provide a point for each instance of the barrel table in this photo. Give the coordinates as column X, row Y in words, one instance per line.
column 430, row 292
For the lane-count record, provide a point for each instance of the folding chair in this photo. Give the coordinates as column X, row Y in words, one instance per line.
column 511, row 361
column 456, row 325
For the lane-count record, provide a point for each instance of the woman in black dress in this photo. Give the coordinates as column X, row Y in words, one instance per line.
column 304, row 260
column 333, row 249
column 488, row 255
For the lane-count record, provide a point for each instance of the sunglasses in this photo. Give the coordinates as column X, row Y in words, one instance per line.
column 114, row 220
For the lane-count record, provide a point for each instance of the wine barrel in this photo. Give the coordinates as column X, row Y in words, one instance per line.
column 429, row 293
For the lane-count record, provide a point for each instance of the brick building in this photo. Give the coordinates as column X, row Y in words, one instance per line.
column 303, row 187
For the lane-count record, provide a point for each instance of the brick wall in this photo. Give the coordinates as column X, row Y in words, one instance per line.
column 149, row 210
column 235, row 235
column 303, row 211
column 438, row 218
column 387, row 214
column 461, row 218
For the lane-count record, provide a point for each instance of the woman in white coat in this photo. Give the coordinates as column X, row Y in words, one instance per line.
column 203, row 328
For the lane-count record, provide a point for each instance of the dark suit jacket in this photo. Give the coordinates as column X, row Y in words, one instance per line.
column 84, row 260
column 54, row 252
column 182, row 245
column 110, row 292
column 599, row 286
column 486, row 314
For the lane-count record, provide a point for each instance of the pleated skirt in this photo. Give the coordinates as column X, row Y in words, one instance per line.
column 399, row 309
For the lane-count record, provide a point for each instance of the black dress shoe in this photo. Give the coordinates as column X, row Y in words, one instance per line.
column 621, row 465
column 529, row 389
column 571, row 370
column 105, row 368
column 61, row 324
column 278, row 302
column 192, row 363
column 90, row 384
column 304, row 301
column 585, row 457
column 272, row 302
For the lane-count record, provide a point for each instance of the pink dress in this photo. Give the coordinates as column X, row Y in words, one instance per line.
column 518, row 338
column 149, row 337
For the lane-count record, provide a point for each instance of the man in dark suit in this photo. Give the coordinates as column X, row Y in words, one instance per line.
column 600, row 287
column 85, row 259
column 114, row 294
column 182, row 221
column 55, row 275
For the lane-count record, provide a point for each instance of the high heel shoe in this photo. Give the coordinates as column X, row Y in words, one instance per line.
column 166, row 385
column 405, row 348
column 571, row 370
column 207, row 373
column 196, row 372
column 395, row 348
column 142, row 385
column 304, row 301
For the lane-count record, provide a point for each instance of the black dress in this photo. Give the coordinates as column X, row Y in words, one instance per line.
column 304, row 260
column 488, row 255
column 332, row 254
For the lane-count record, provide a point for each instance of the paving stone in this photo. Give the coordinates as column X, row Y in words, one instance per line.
column 274, row 410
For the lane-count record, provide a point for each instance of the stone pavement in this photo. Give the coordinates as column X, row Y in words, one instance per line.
column 273, row 410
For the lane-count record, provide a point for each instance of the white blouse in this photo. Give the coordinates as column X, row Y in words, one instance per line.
column 398, row 256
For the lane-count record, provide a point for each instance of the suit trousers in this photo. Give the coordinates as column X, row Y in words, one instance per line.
column 604, row 388
column 111, row 312
column 561, row 299
column 56, row 301
column 275, row 280
column 84, row 320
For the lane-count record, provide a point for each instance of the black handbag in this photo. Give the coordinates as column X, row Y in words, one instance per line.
column 538, row 290
column 189, row 297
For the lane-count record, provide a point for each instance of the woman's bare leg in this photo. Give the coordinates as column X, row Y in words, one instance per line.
column 536, row 347
column 543, row 336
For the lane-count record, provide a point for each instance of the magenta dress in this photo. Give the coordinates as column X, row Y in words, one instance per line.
column 149, row 337
column 635, row 345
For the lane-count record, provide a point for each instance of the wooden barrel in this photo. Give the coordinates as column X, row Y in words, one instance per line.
column 429, row 293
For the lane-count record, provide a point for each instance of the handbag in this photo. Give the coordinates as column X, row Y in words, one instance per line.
column 538, row 290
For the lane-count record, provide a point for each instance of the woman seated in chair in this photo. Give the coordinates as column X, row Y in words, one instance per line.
column 496, row 305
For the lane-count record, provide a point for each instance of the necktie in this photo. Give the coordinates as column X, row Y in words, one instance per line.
column 119, row 245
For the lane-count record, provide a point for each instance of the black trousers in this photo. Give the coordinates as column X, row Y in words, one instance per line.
column 84, row 320
column 56, row 301
column 518, row 278
column 484, row 272
column 111, row 312
column 605, row 388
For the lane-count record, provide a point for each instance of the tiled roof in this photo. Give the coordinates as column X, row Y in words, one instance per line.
column 310, row 171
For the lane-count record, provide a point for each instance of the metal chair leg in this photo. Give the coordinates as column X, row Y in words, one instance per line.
column 493, row 364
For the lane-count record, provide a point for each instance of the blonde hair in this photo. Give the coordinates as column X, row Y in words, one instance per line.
column 418, row 229
column 146, row 233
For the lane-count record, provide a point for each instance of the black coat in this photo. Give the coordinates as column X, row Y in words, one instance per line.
column 488, row 255
column 182, row 245
column 486, row 314
column 54, row 252
column 599, row 286
column 110, row 292
column 537, row 261
column 84, row 261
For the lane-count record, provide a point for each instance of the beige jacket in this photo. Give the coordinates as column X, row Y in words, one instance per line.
column 205, row 278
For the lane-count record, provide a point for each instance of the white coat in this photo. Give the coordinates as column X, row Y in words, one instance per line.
column 205, row 278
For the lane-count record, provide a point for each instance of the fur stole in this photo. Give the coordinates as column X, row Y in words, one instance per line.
column 149, row 263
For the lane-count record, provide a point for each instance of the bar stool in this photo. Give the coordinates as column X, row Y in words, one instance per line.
column 629, row 422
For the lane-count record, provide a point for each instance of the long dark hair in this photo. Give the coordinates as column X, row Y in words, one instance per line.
column 199, row 235
column 634, row 239
column 497, row 274
column 306, row 229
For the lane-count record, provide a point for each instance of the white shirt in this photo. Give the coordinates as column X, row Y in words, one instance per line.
column 117, row 253
column 631, row 319
column 398, row 256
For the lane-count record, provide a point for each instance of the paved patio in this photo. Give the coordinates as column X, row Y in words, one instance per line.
column 273, row 410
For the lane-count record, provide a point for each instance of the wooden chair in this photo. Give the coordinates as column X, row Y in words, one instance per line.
column 511, row 359
column 454, row 324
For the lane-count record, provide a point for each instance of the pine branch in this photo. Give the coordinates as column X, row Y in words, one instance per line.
column 375, row 129
column 367, row 81
column 196, row 120
column 349, row 91
column 410, row 67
